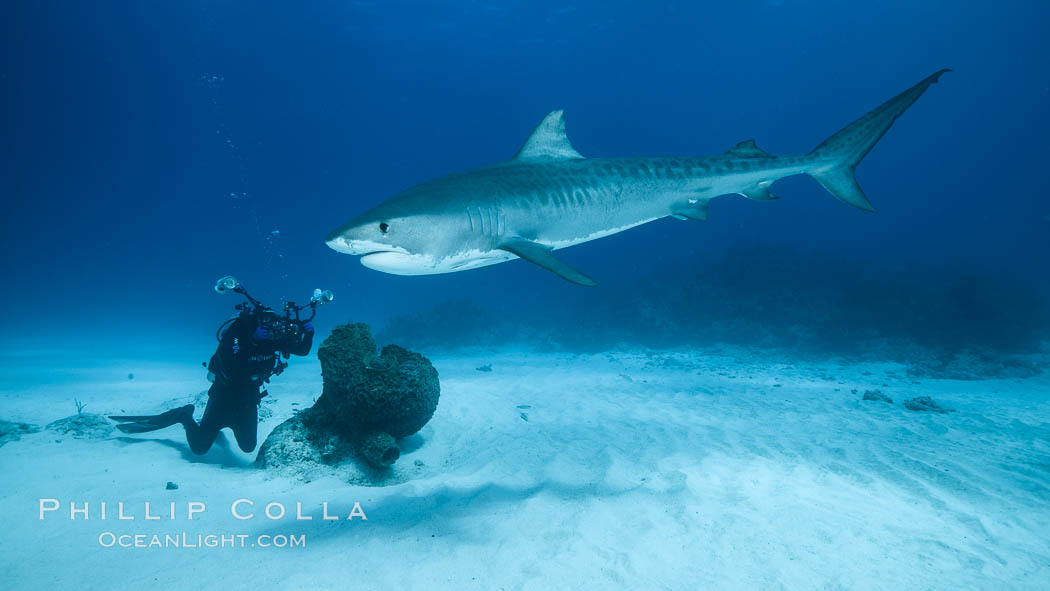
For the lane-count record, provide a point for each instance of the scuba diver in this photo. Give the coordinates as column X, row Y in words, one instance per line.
column 251, row 347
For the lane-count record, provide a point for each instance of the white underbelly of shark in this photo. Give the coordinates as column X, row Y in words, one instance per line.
column 397, row 263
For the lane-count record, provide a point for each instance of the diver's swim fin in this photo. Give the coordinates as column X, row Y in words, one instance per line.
column 140, row 427
column 147, row 423
column 131, row 418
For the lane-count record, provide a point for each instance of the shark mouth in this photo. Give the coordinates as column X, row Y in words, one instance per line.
column 360, row 247
column 399, row 261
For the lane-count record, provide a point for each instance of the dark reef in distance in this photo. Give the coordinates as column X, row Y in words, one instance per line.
column 369, row 401
column 949, row 321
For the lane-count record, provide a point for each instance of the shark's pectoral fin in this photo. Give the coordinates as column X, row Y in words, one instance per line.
column 542, row 256
column 693, row 209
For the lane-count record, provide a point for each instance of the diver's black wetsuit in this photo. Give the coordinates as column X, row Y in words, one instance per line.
column 247, row 356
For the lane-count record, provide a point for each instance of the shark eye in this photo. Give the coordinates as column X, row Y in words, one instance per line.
column 383, row 227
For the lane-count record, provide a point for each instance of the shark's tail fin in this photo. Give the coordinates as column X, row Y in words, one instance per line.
column 835, row 159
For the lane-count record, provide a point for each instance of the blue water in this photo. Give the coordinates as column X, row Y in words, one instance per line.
column 713, row 415
column 151, row 148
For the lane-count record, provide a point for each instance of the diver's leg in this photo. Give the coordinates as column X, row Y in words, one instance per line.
column 245, row 424
column 201, row 437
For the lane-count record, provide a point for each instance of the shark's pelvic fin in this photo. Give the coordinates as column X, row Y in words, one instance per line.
column 748, row 149
column 761, row 192
column 548, row 141
column 691, row 211
column 848, row 147
column 542, row 256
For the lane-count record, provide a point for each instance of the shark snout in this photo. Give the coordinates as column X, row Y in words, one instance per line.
column 342, row 242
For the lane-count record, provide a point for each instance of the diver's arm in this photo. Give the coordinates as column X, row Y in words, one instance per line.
column 230, row 358
column 306, row 341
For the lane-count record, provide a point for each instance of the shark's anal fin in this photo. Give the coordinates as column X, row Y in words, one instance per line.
column 538, row 254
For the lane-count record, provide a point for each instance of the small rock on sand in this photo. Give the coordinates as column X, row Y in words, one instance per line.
column 925, row 403
column 877, row 396
column 83, row 425
column 10, row 431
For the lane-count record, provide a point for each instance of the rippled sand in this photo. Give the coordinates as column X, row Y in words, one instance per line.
column 679, row 470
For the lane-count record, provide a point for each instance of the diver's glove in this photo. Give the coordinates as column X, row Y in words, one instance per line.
column 308, row 327
column 262, row 334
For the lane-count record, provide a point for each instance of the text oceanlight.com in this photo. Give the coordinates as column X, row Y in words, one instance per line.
column 146, row 512
column 186, row 540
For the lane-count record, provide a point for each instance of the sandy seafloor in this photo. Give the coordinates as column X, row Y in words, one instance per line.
column 715, row 469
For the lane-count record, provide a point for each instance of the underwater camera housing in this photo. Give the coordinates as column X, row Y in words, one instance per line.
column 286, row 327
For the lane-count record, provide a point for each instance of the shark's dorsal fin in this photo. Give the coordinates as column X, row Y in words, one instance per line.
column 748, row 149
column 541, row 255
column 548, row 141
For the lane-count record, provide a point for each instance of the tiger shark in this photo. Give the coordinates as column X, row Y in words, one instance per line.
column 549, row 197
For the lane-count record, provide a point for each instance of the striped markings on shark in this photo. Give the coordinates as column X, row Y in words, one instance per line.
column 550, row 197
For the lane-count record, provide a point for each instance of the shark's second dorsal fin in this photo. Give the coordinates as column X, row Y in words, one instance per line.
column 748, row 149
column 548, row 141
